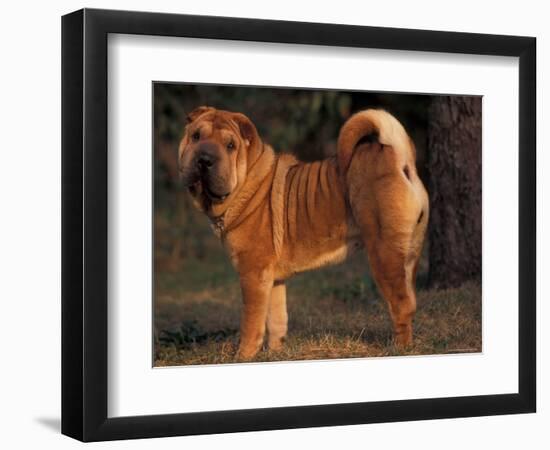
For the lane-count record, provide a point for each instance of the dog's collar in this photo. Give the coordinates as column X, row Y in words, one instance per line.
column 218, row 225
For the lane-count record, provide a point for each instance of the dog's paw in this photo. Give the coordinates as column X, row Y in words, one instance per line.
column 276, row 344
column 245, row 354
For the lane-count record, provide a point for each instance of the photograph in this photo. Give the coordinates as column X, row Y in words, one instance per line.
column 296, row 224
column 267, row 225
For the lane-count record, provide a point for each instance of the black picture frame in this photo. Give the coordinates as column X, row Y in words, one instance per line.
column 84, row 224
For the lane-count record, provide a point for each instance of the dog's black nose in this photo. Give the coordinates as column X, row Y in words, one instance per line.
column 205, row 161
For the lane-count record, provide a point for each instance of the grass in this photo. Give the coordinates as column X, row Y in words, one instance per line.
column 334, row 312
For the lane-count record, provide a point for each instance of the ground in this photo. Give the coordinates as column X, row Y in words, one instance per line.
column 334, row 312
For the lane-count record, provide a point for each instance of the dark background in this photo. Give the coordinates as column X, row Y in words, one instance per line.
column 189, row 261
column 305, row 122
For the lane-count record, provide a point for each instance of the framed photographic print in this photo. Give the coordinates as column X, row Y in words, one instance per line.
column 273, row 224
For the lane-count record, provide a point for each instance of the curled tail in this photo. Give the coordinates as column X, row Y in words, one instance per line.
column 377, row 161
column 370, row 126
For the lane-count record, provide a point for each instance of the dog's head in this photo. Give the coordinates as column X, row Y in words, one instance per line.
column 214, row 154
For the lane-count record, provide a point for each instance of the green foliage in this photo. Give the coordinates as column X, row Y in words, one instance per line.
column 302, row 121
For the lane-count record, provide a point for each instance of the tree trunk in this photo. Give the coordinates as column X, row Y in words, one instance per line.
column 454, row 167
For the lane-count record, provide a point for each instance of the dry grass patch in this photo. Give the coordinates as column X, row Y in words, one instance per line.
column 335, row 312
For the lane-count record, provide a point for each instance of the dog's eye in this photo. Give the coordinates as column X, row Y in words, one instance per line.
column 196, row 136
column 231, row 145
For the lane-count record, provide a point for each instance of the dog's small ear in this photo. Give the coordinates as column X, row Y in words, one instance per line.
column 197, row 112
column 247, row 128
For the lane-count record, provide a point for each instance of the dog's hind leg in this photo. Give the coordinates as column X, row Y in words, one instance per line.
column 277, row 317
column 392, row 216
column 389, row 205
column 393, row 272
column 394, row 241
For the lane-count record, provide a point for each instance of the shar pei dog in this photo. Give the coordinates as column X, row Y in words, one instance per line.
column 277, row 216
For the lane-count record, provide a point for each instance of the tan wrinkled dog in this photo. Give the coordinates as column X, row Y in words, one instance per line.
column 277, row 216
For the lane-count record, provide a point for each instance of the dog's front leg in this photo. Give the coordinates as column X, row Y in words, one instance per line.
column 277, row 317
column 256, row 288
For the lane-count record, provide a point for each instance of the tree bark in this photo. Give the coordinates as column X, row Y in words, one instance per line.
column 454, row 167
